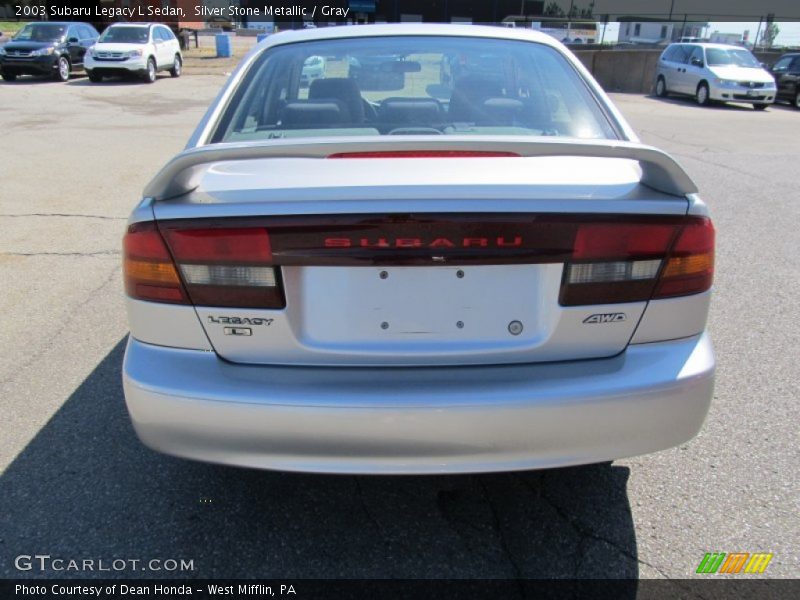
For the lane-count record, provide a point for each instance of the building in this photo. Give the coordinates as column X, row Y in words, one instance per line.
column 654, row 32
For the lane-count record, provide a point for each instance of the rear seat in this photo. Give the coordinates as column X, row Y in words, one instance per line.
column 311, row 114
column 417, row 112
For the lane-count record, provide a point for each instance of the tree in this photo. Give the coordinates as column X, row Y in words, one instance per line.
column 553, row 10
column 770, row 33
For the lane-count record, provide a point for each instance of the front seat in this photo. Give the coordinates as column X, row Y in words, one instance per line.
column 342, row 89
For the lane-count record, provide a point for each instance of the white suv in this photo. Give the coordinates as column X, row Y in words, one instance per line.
column 139, row 48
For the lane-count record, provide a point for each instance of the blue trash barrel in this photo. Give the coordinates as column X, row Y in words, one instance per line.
column 223, row 43
column 261, row 37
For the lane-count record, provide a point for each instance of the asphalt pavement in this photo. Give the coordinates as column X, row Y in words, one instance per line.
column 76, row 483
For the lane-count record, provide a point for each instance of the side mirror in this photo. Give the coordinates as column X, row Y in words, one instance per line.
column 73, row 40
column 697, row 62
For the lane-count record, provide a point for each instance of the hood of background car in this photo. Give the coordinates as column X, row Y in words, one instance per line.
column 742, row 73
column 116, row 47
column 25, row 46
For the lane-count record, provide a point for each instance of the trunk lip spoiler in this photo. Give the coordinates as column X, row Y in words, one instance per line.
column 182, row 174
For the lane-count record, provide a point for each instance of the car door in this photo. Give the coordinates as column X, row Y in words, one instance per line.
column 792, row 79
column 74, row 47
column 694, row 70
column 785, row 73
column 164, row 54
column 171, row 43
column 88, row 37
column 673, row 66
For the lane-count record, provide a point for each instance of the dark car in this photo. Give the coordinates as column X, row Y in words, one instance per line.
column 786, row 72
column 49, row 48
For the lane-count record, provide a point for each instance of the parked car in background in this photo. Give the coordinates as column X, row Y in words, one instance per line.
column 786, row 72
column 714, row 73
column 48, row 48
column 337, row 280
column 313, row 68
column 141, row 49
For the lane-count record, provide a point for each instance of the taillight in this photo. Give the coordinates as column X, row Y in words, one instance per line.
column 636, row 261
column 211, row 267
column 148, row 269
column 235, row 262
column 690, row 267
column 226, row 266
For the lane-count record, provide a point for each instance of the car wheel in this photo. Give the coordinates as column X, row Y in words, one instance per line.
column 702, row 95
column 661, row 88
column 62, row 74
column 760, row 106
column 177, row 66
column 150, row 74
column 796, row 99
column 8, row 76
column 94, row 76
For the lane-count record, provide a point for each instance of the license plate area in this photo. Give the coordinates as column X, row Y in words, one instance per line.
column 405, row 308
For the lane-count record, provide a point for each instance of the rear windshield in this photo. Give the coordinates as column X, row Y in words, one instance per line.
column 718, row 57
column 412, row 86
column 125, row 35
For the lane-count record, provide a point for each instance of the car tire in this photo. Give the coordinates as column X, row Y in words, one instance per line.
column 177, row 66
column 8, row 76
column 796, row 99
column 94, row 77
column 702, row 94
column 760, row 106
column 661, row 88
column 63, row 71
column 151, row 73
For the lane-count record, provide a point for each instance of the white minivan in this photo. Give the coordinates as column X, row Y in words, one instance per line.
column 134, row 48
column 714, row 73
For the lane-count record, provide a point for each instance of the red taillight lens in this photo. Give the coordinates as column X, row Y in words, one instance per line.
column 635, row 261
column 425, row 154
column 148, row 268
column 233, row 245
column 226, row 266
column 615, row 241
column 690, row 268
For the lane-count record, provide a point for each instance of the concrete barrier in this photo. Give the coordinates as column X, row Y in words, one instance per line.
column 631, row 71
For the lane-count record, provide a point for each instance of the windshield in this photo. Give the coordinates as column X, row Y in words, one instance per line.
column 435, row 85
column 718, row 57
column 125, row 35
column 41, row 32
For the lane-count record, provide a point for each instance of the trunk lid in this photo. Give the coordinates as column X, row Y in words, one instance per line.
column 419, row 262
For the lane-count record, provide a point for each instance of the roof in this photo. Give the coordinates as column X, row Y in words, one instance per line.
column 418, row 29
column 125, row 24
column 64, row 23
column 714, row 45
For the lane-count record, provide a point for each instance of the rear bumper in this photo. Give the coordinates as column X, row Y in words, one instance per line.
column 425, row 420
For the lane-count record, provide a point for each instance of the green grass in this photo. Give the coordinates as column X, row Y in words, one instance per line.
column 11, row 27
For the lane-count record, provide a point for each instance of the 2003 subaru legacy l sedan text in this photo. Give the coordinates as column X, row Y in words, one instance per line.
column 465, row 262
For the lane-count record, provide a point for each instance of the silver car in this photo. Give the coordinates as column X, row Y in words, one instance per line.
column 426, row 272
column 714, row 73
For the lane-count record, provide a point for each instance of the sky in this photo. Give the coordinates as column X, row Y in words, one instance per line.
column 789, row 34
